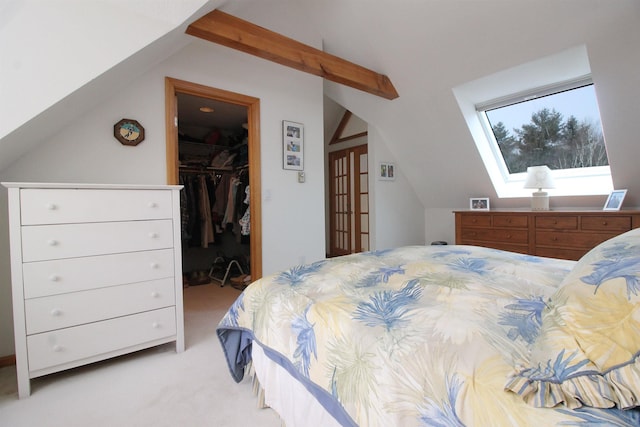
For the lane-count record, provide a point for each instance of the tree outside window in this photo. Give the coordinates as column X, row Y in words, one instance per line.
column 561, row 130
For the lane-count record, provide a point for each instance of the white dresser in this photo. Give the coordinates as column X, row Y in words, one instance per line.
column 96, row 272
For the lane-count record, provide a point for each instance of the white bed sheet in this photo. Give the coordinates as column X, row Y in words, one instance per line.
column 286, row 395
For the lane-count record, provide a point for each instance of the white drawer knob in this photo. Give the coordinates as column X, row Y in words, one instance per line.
column 51, row 206
column 57, row 348
column 155, row 325
column 52, row 242
column 153, row 235
column 54, row 278
column 154, row 294
column 153, row 205
column 56, row 312
column 154, row 265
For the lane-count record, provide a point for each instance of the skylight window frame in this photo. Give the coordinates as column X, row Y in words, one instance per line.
column 552, row 74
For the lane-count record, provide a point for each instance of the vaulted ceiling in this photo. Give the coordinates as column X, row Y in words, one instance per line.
column 425, row 47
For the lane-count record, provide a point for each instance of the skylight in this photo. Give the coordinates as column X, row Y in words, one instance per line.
column 544, row 112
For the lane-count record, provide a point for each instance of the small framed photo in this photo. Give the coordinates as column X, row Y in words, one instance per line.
column 292, row 145
column 614, row 201
column 479, row 203
column 387, row 171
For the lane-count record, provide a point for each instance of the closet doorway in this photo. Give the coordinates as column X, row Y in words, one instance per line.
column 177, row 92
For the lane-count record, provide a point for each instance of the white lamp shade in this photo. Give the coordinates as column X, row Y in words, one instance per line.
column 539, row 177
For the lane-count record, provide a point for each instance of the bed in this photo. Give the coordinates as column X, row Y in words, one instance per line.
column 446, row 336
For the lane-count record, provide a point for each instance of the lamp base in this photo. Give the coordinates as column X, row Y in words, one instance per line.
column 540, row 201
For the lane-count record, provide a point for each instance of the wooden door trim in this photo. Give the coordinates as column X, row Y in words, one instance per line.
column 353, row 211
column 175, row 86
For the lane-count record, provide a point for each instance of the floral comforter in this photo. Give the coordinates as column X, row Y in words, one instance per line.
column 414, row 336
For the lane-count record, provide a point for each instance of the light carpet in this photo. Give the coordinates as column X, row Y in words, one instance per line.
column 154, row 387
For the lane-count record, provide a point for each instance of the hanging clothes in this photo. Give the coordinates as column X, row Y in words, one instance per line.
column 245, row 221
column 206, row 222
column 230, row 211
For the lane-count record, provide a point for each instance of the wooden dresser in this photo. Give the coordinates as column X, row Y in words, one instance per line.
column 556, row 233
column 96, row 272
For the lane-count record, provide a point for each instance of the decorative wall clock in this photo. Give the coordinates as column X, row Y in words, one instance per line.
column 128, row 132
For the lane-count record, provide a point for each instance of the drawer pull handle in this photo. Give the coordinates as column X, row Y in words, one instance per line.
column 51, row 206
column 56, row 312
column 155, row 325
column 57, row 348
column 52, row 242
column 604, row 222
column 153, row 235
column 154, row 265
column 508, row 236
column 154, row 294
column 54, row 278
column 153, row 205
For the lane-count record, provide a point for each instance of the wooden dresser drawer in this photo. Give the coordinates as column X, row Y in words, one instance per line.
column 571, row 240
column 515, row 247
column 557, row 222
column 562, row 253
column 519, row 221
column 74, row 344
column 77, row 308
column 46, row 242
column 476, row 221
column 59, row 206
column 565, row 234
column 496, row 235
column 61, row 276
column 604, row 223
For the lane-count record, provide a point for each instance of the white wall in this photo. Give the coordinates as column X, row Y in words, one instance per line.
column 397, row 215
column 292, row 213
column 26, row 53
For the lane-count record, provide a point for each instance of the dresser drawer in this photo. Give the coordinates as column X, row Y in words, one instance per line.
column 557, row 222
column 62, row 311
column 496, row 235
column 519, row 221
column 604, row 223
column 47, row 242
column 476, row 220
column 562, row 253
column 54, row 348
column 59, row 206
column 571, row 240
column 61, row 276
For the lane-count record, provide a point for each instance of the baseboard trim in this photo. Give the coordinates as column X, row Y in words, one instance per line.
column 7, row 360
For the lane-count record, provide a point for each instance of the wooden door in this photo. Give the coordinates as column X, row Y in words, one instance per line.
column 349, row 201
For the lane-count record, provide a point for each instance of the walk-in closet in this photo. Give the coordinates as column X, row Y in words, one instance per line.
column 214, row 169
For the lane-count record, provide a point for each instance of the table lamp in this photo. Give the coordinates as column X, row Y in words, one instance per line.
column 539, row 177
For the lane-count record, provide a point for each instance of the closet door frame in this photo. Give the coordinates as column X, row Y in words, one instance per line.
column 175, row 86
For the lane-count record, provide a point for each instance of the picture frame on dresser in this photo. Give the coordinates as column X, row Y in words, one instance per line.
column 479, row 203
column 614, row 201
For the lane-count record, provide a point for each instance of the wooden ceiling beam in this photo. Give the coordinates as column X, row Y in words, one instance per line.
column 227, row 30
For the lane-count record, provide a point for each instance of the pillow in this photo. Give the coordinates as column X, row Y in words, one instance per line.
column 588, row 347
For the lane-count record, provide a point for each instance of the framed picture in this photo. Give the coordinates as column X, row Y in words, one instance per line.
column 292, row 145
column 479, row 203
column 614, row 201
column 387, row 171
